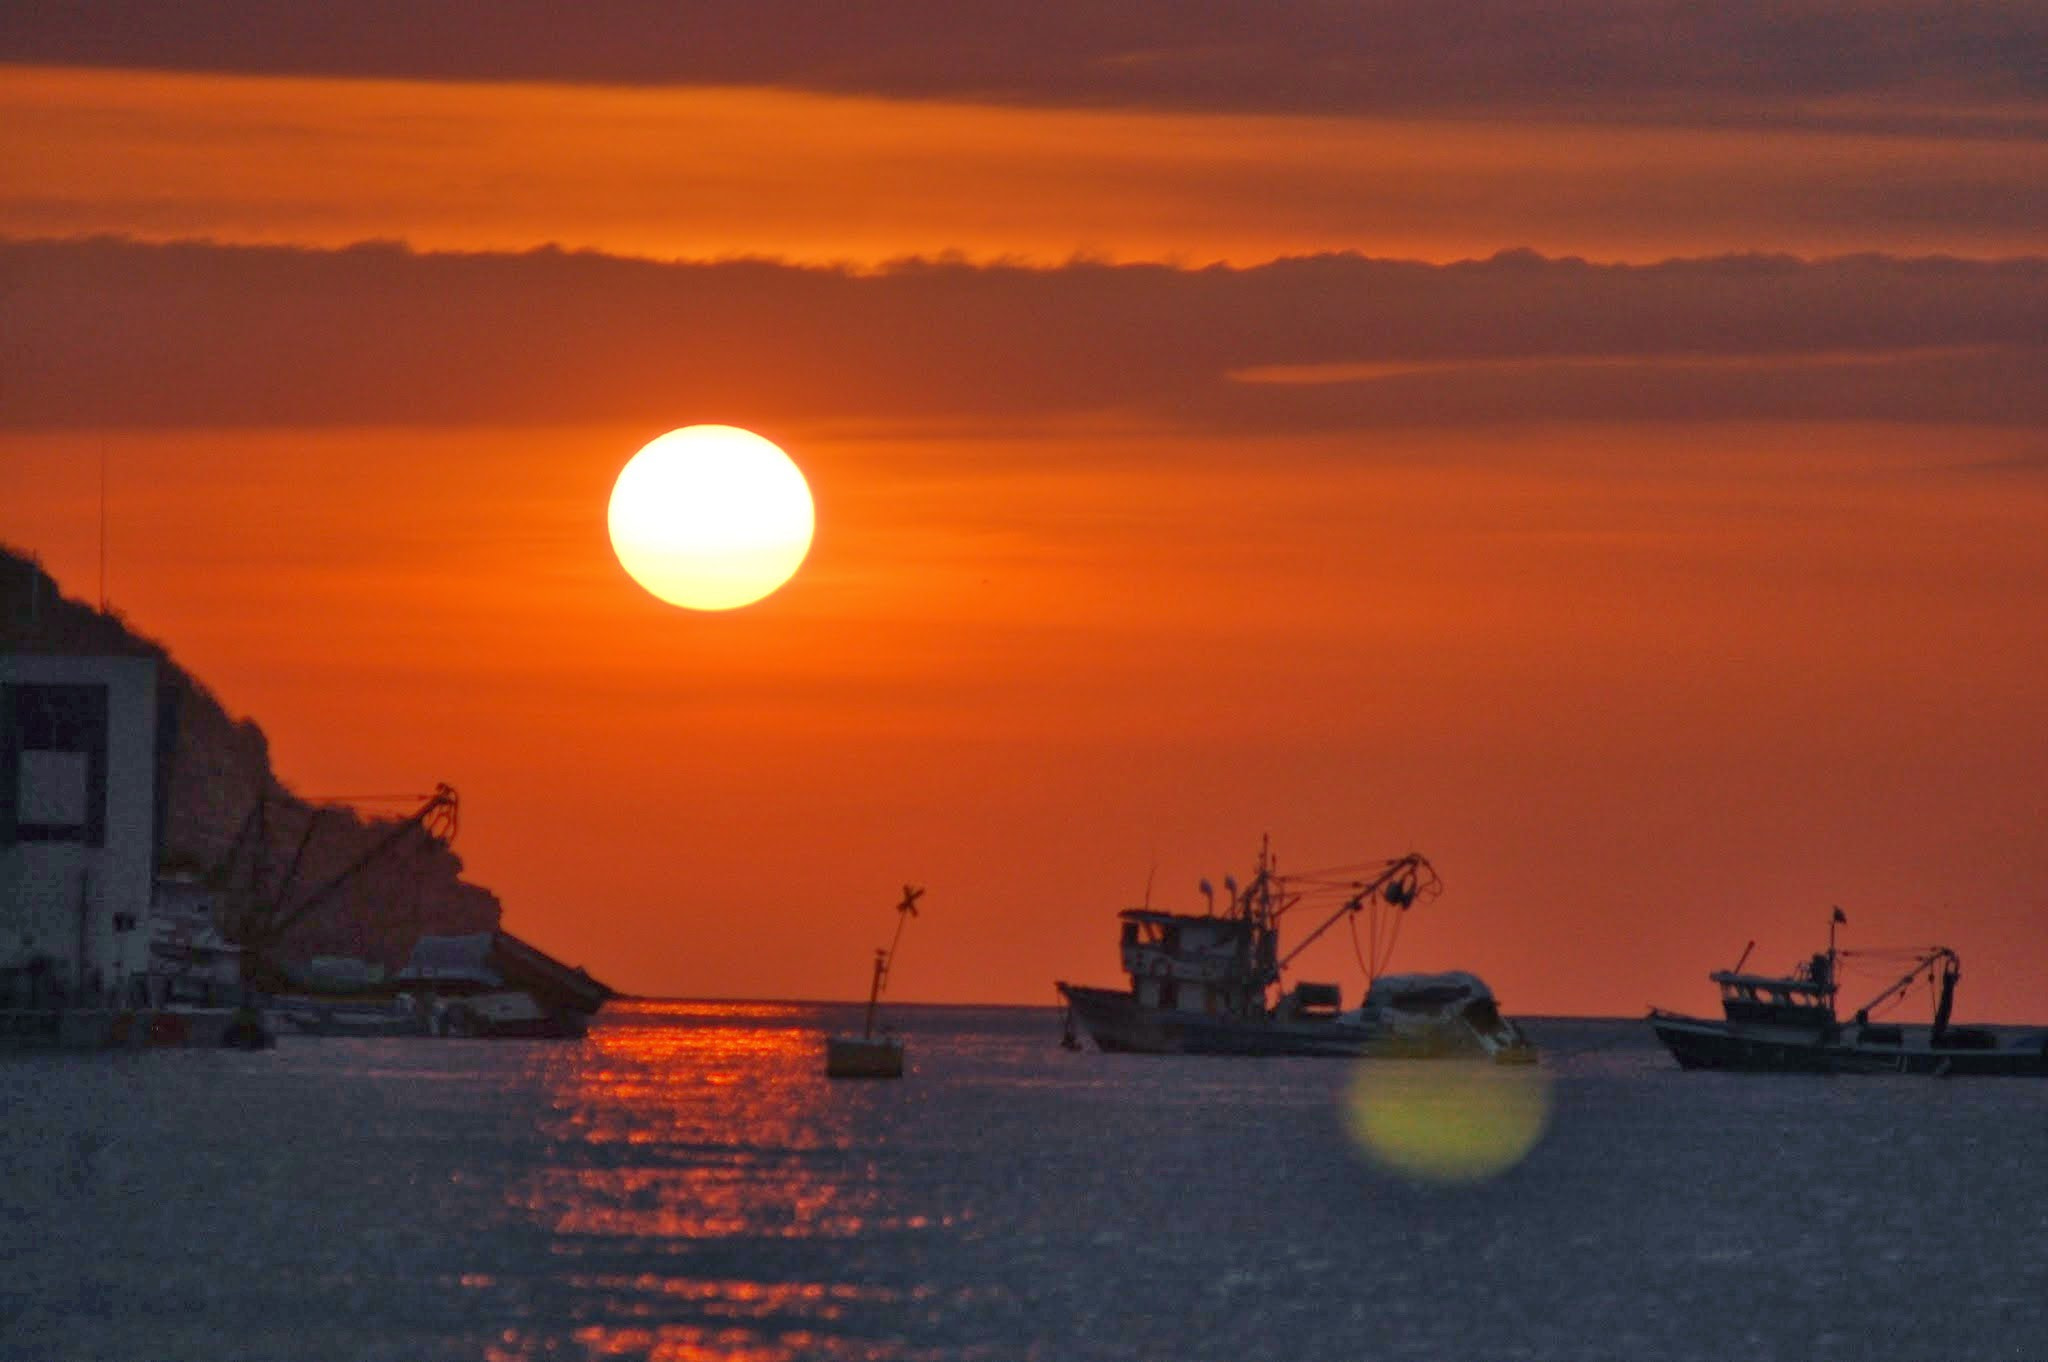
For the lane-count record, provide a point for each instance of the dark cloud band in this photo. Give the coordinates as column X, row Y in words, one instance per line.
column 1617, row 59
column 109, row 331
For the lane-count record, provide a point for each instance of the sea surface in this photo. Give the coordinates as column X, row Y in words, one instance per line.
column 686, row 1184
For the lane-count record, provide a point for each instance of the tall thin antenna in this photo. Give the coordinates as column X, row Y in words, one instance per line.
column 103, row 524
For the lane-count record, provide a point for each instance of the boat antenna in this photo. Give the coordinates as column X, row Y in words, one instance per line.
column 1745, row 958
column 1836, row 919
column 1263, row 881
column 35, row 594
column 103, row 524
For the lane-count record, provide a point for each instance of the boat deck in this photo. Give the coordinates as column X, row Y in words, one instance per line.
column 1965, row 1051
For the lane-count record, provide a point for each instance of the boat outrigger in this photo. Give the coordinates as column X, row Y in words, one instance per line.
column 1206, row 983
column 1787, row 1023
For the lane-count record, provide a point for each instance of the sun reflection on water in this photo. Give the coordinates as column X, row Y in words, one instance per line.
column 687, row 1137
column 715, row 1122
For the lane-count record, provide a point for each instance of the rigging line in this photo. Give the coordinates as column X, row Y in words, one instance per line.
column 1355, row 868
column 1383, row 954
column 365, row 798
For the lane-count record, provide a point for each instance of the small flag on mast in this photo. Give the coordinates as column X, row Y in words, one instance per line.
column 1841, row 916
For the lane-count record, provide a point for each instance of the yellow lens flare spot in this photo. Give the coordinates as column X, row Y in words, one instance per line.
column 1446, row 1121
column 711, row 517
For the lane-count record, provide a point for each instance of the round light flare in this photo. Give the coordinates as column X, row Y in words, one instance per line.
column 711, row 517
column 1446, row 1121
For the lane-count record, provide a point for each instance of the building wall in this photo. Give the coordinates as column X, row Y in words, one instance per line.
column 78, row 819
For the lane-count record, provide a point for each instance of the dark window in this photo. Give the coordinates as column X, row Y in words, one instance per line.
column 53, row 763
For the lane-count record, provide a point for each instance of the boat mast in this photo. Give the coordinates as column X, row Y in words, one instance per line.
column 867, row 1029
column 1264, row 881
column 1835, row 919
column 1951, row 970
column 905, row 910
column 1262, row 941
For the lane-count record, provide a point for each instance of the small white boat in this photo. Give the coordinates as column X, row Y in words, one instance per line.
column 868, row 1055
column 315, row 1015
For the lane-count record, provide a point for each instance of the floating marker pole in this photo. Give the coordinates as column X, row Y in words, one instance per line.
column 885, row 958
column 867, row 1029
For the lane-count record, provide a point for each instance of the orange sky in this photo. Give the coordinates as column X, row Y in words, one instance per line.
column 711, row 172
column 1663, row 608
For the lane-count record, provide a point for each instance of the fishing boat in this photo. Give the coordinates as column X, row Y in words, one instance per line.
column 493, row 984
column 1787, row 1023
column 1210, row 983
column 361, row 1017
column 869, row 1055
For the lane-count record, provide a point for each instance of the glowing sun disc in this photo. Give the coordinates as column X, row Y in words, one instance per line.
column 711, row 517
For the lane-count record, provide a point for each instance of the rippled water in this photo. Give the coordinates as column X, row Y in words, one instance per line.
column 685, row 1184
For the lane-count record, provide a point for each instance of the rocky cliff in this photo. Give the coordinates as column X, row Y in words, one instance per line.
column 228, row 817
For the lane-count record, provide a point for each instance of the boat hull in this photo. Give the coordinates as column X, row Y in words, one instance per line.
column 493, row 984
column 507, row 1014
column 863, row 1057
column 2003, row 1052
column 316, row 1016
column 1118, row 1024
column 173, row 1027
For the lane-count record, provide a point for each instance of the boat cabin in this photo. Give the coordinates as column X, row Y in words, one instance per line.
column 190, row 960
column 1310, row 1002
column 1805, row 999
column 1190, row 963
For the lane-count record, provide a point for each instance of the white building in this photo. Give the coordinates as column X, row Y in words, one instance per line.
column 79, row 767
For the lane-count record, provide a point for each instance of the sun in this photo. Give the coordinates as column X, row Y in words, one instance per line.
column 711, row 517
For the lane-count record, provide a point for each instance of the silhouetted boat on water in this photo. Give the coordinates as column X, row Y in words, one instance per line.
column 868, row 1055
column 1787, row 1024
column 1205, row 983
column 485, row 984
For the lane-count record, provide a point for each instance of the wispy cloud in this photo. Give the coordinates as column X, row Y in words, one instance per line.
column 111, row 331
column 1627, row 60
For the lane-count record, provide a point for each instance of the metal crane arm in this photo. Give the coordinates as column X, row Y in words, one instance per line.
column 437, row 816
column 1399, row 883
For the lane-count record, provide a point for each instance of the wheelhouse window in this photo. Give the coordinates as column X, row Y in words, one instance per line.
column 53, row 763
